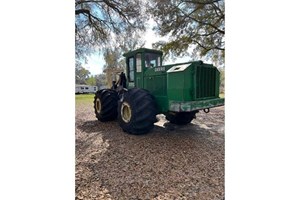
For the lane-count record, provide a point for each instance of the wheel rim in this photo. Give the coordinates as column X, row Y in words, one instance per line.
column 98, row 105
column 126, row 112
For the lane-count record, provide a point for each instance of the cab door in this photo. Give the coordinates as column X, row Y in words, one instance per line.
column 131, row 72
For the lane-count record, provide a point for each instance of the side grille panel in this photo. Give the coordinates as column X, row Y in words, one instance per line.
column 205, row 82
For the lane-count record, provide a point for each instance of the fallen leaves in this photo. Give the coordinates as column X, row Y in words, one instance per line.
column 170, row 162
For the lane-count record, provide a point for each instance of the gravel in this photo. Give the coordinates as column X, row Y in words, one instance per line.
column 170, row 162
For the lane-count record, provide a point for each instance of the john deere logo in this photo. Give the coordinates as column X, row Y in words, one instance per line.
column 159, row 69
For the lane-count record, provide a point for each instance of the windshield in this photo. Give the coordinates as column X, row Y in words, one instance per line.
column 152, row 60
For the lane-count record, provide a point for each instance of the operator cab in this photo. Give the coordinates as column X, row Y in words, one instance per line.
column 138, row 62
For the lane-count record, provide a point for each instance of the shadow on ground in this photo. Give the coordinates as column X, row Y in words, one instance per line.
column 182, row 162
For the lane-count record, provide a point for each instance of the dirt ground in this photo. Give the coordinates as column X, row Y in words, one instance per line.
column 170, row 162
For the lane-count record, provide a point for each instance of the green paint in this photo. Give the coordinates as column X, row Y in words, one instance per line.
column 178, row 87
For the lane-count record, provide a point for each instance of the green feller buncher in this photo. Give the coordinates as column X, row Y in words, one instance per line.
column 148, row 88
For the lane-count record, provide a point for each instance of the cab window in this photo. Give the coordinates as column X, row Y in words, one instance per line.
column 131, row 69
column 152, row 60
column 138, row 62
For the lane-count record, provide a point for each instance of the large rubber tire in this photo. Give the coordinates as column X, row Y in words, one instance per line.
column 137, row 111
column 181, row 118
column 106, row 105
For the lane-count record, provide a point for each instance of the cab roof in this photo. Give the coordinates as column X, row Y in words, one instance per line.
column 142, row 50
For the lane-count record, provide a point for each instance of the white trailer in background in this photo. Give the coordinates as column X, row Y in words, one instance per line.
column 85, row 89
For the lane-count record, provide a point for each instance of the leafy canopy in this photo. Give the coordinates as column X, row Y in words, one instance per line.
column 116, row 26
column 99, row 22
column 195, row 24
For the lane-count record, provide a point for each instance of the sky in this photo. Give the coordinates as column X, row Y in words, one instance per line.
column 95, row 62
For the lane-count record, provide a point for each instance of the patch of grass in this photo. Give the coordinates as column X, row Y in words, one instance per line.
column 84, row 98
column 89, row 98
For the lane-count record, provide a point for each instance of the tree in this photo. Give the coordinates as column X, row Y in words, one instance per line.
column 100, row 80
column 198, row 25
column 98, row 22
column 81, row 75
column 127, row 41
column 222, row 79
column 91, row 80
column 112, row 57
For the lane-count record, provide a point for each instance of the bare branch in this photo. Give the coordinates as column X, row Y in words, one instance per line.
column 203, row 3
column 83, row 1
column 115, row 8
column 208, row 24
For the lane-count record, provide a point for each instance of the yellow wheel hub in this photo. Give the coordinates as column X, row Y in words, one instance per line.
column 98, row 105
column 126, row 112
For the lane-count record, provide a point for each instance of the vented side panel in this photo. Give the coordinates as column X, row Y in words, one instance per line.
column 205, row 82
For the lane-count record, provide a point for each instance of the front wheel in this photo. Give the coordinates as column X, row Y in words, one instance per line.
column 137, row 111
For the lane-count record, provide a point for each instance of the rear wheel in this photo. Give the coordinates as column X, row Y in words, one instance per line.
column 137, row 111
column 180, row 118
column 106, row 104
